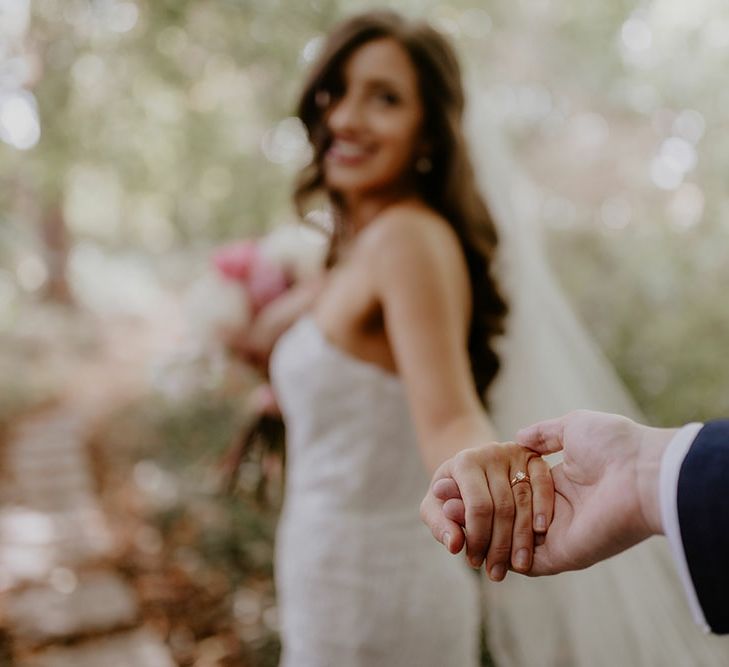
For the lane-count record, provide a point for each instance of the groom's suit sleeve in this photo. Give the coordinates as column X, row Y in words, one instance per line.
column 695, row 509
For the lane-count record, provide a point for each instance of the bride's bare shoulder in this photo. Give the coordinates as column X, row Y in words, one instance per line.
column 409, row 231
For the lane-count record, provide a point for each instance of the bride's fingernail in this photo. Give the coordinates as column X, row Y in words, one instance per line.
column 447, row 540
column 540, row 523
column 522, row 559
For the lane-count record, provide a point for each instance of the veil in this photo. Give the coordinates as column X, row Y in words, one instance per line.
column 550, row 363
column 629, row 610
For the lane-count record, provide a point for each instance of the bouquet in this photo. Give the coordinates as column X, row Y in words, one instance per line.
column 242, row 278
column 239, row 281
column 246, row 276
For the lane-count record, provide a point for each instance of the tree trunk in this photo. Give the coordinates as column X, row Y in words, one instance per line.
column 56, row 246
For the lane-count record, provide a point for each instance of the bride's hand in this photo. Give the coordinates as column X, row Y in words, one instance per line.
column 254, row 344
column 476, row 500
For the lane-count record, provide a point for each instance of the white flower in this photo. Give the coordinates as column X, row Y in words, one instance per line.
column 216, row 307
column 296, row 247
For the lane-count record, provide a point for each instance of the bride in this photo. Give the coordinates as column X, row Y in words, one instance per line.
column 379, row 366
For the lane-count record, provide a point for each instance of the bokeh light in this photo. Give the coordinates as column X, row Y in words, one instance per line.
column 19, row 122
column 287, row 143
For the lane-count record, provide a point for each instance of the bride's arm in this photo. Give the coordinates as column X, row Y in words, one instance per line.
column 422, row 282
column 255, row 344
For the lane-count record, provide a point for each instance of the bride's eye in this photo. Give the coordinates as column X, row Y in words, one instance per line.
column 387, row 98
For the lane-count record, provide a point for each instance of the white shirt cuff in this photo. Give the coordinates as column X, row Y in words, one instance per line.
column 670, row 469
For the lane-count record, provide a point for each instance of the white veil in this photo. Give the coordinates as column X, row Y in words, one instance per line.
column 550, row 364
column 629, row 610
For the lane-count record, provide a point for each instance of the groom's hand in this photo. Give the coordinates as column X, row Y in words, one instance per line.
column 606, row 487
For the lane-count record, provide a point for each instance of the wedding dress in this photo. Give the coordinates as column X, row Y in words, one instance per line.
column 630, row 610
column 360, row 580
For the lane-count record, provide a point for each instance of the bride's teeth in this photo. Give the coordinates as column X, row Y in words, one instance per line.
column 349, row 150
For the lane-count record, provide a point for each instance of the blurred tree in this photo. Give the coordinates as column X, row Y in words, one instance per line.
column 165, row 126
column 152, row 115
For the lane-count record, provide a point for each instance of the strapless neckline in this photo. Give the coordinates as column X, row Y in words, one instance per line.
column 334, row 350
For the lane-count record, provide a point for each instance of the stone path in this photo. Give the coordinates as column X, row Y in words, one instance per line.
column 63, row 603
column 57, row 577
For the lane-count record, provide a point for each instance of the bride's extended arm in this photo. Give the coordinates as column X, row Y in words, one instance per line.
column 423, row 286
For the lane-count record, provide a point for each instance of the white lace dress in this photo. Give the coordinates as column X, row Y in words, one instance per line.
column 360, row 580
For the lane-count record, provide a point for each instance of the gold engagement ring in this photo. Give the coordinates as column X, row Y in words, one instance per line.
column 520, row 476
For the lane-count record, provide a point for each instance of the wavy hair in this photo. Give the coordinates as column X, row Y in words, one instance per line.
column 449, row 187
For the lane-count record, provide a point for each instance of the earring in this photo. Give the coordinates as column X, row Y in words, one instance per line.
column 423, row 165
column 322, row 98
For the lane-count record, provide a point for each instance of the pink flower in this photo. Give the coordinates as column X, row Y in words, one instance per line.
column 243, row 262
column 235, row 260
column 267, row 281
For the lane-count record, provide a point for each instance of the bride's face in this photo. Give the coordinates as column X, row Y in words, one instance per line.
column 375, row 121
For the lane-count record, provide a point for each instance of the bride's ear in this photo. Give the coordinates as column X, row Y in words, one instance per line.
column 423, row 157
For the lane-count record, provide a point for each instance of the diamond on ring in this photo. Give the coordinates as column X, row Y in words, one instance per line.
column 520, row 476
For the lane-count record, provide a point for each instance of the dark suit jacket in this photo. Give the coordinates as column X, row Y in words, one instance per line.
column 703, row 514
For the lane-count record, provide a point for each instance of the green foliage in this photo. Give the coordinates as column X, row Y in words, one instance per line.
column 194, row 432
column 170, row 112
column 662, row 325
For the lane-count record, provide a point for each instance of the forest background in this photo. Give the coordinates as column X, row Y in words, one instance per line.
column 136, row 136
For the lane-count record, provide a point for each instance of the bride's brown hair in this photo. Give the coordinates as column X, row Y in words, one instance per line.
column 448, row 187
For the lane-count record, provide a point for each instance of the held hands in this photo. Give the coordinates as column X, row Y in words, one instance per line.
column 475, row 500
column 607, row 495
column 606, row 491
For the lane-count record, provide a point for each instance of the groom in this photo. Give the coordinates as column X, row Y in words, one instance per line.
column 620, row 483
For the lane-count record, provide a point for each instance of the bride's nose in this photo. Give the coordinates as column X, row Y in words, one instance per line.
column 346, row 115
